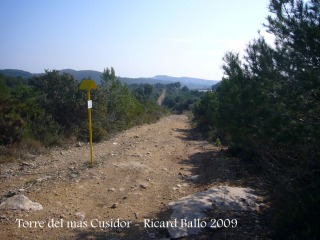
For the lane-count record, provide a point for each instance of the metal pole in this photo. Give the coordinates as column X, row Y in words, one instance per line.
column 90, row 129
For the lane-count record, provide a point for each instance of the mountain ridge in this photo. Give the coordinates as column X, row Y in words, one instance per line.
column 192, row 83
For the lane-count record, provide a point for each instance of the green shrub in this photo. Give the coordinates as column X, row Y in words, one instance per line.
column 43, row 128
column 11, row 122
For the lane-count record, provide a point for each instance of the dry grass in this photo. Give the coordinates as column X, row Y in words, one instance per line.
column 26, row 149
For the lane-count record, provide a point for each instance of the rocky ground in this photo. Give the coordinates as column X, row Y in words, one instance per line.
column 134, row 177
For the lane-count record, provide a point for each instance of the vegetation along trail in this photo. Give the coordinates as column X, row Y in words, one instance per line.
column 135, row 176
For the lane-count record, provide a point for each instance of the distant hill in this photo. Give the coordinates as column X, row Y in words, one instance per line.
column 82, row 74
column 16, row 73
column 191, row 83
column 151, row 81
column 214, row 87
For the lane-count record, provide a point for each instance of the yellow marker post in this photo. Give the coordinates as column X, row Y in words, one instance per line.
column 88, row 85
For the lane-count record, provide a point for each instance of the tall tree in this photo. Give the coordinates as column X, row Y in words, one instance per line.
column 268, row 104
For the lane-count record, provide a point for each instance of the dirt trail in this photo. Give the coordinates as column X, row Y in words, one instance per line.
column 134, row 177
column 161, row 97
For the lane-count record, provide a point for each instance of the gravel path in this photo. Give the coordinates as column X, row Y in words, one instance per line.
column 135, row 176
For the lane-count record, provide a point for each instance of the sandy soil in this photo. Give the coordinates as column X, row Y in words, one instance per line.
column 134, row 177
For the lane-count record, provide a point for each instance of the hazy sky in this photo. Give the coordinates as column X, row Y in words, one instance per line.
column 139, row 38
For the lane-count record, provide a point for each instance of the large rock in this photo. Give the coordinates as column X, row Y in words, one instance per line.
column 20, row 201
column 195, row 206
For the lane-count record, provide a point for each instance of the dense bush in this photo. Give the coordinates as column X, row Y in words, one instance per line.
column 11, row 122
column 176, row 99
column 59, row 95
column 11, row 111
column 50, row 108
column 204, row 113
column 179, row 99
